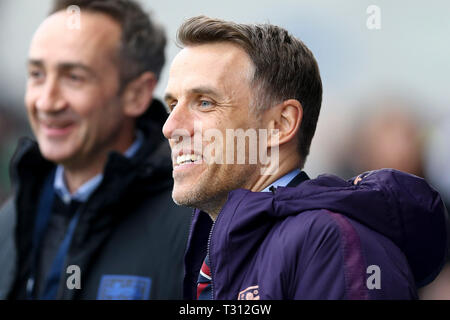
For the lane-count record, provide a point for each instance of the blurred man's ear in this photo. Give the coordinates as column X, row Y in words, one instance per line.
column 138, row 93
column 285, row 117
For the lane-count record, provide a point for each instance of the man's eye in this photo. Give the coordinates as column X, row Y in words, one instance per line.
column 35, row 74
column 172, row 105
column 75, row 77
column 205, row 103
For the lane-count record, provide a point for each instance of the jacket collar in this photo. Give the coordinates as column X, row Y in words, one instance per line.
column 243, row 221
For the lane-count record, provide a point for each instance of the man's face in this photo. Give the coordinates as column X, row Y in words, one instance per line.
column 209, row 87
column 71, row 95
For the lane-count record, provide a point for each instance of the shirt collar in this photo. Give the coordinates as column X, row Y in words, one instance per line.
column 85, row 191
column 132, row 150
column 284, row 180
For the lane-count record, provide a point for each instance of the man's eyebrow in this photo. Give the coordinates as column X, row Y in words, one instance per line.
column 197, row 90
column 74, row 65
column 204, row 90
column 168, row 96
column 35, row 62
column 63, row 65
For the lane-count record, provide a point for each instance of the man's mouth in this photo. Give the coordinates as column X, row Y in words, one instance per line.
column 188, row 159
column 57, row 128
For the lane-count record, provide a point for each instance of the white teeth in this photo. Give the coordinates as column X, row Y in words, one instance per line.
column 187, row 158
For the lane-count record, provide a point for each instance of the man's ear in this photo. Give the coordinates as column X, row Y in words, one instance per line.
column 138, row 94
column 285, row 118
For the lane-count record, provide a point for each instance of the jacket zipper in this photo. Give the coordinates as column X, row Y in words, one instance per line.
column 210, row 261
column 191, row 226
column 208, row 249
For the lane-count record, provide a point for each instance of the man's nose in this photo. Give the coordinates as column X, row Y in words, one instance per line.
column 50, row 98
column 179, row 123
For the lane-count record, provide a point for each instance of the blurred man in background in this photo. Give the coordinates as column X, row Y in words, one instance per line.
column 11, row 126
column 91, row 216
column 391, row 136
column 437, row 169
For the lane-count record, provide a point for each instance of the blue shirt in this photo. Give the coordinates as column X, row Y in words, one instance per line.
column 284, row 180
column 84, row 192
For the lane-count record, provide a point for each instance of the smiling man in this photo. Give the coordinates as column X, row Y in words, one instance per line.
column 92, row 216
column 277, row 234
column 217, row 102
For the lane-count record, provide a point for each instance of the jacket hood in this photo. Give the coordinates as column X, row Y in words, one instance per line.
column 400, row 206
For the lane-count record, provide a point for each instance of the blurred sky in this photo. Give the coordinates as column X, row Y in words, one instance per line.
column 408, row 57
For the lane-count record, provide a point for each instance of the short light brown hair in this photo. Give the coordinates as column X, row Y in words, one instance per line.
column 284, row 68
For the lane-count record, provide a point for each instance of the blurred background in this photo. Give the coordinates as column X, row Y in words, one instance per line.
column 386, row 77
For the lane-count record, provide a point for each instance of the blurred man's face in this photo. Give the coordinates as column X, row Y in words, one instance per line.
column 209, row 87
column 73, row 81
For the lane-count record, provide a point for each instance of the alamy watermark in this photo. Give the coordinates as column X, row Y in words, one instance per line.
column 74, row 280
column 74, row 18
column 373, row 21
column 235, row 146
column 374, row 280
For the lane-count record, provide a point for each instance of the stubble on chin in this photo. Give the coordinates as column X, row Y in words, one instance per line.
column 209, row 196
column 205, row 198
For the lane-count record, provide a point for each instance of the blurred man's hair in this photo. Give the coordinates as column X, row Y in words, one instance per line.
column 284, row 68
column 143, row 42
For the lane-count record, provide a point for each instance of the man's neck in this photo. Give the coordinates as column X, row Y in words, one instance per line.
column 77, row 174
column 272, row 174
column 214, row 206
column 75, row 178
